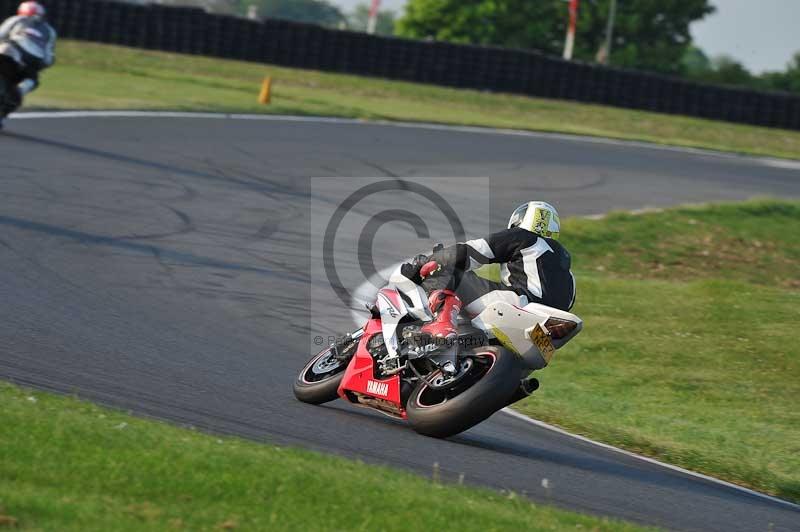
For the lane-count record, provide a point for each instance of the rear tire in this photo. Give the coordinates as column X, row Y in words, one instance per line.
column 319, row 380
column 439, row 415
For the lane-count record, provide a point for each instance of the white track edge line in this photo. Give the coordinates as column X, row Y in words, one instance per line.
column 775, row 162
column 552, row 428
column 782, row 163
column 364, row 288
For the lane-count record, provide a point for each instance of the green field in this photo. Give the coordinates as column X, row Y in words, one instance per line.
column 689, row 354
column 94, row 76
column 690, row 351
column 70, row 465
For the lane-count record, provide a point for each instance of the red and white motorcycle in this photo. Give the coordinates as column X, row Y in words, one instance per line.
column 440, row 388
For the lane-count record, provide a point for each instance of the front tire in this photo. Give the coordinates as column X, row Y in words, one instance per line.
column 440, row 414
column 319, row 380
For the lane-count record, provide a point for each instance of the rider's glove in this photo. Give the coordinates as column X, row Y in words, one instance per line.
column 429, row 268
column 411, row 270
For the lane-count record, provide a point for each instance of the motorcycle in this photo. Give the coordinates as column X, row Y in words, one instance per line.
column 440, row 387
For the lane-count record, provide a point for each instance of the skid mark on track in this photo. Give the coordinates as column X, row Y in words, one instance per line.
column 186, row 226
column 567, row 137
column 162, row 253
column 375, row 166
column 126, row 159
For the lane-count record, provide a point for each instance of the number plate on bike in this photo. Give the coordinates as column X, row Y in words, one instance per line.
column 542, row 341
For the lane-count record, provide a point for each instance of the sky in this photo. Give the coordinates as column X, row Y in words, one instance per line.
column 762, row 34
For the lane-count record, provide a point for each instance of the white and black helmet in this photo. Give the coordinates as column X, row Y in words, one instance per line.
column 538, row 217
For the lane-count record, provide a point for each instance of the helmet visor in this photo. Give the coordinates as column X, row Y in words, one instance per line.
column 518, row 216
column 545, row 222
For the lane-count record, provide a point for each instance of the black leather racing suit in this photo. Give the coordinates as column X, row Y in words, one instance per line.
column 526, row 263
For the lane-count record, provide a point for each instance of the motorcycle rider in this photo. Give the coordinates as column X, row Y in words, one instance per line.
column 29, row 41
column 522, row 264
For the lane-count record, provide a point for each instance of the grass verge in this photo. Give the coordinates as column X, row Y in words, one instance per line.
column 95, row 76
column 689, row 354
column 71, row 465
column 690, row 351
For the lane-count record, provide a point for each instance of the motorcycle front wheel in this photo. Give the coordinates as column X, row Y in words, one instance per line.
column 493, row 379
column 319, row 380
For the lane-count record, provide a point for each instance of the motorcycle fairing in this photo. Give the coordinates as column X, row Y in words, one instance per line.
column 359, row 385
column 392, row 310
column 523, row 330
column 414, row 296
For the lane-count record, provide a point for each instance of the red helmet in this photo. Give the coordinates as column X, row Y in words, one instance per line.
column 31, row 9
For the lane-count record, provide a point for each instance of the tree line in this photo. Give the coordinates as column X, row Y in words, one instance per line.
column 651, row 35
column 320, row 12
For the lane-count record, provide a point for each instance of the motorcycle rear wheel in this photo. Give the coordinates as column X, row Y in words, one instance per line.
column 443, row 413
column 319, row 380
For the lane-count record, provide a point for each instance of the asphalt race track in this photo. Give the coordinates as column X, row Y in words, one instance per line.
column 161, row 265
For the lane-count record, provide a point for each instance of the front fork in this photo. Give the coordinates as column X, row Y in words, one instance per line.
column 353, row 337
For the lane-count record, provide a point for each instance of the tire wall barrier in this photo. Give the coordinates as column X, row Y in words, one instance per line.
column 292, row 44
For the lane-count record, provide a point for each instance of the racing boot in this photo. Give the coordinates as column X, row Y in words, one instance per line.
column 445, row 306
